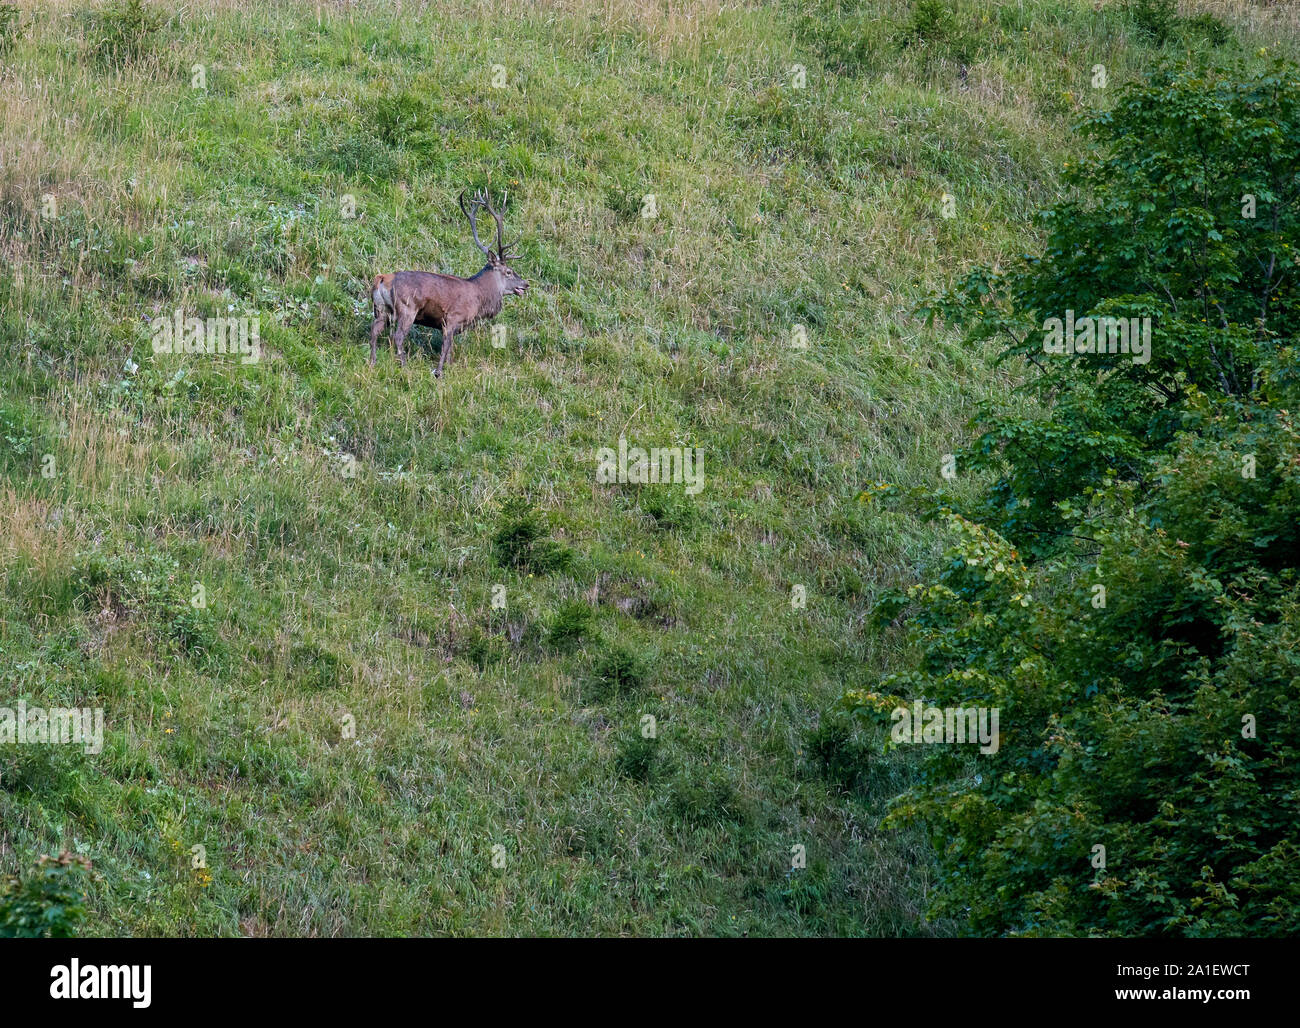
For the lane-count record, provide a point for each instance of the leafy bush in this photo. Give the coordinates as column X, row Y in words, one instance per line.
column 485, row 650
column 1207, row 27
column 19, row 432
column 48, row 903
column 784, row 123
column 1161, row 725
column 402, row 117
column 362, row 154
column 1195, row 259
column 933, row 26
column 626, row 201
column 1140, row 649
column 805, row 891
column 1159, row 21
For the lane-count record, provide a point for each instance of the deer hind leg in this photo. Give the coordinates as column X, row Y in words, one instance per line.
column 381, row 295
column 448, row 342
column 382, row 319
column 405, row 319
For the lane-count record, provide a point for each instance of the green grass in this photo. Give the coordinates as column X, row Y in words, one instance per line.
column 350, row 727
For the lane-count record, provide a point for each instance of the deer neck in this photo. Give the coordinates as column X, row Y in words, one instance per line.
column 490, row 290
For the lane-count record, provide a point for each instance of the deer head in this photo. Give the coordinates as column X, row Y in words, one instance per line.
column 499, row 260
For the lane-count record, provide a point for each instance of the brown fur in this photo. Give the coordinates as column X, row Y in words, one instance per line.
column 445, row 302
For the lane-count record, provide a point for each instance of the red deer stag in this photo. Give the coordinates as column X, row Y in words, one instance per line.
column 445, row 302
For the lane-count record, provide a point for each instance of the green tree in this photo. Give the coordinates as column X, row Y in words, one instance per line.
column 1184, row 208
column 1132, row 605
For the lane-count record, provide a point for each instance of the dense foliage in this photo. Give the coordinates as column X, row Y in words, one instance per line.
column 1129, row 602
column 1184, row 210
column 48, row 903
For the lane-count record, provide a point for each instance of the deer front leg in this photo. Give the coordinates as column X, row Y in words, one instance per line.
column 405, row 319
column 448, row 341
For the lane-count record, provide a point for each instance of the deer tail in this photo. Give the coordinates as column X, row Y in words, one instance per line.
column 381, row 293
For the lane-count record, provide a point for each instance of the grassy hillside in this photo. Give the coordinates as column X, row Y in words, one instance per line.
column 359, row 740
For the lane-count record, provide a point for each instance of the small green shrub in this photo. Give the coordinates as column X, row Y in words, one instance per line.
column 707, row 799
column 124, row 31
column 617, row 671
column 360, row 154
column 847, row 41
column 806, row 891
column 405, row 121
column 938, row 31
column 626, row 205
column 837, row 753
column 571, row 625
column 931, row 21
column 1156, row 18
column 11, row 26
column 486, row 650
column 18, row 435
column 670, row 508
column 520, row 541
column 639, row 758
column 38, row 770
column 48, row 903
column 315, row 667
column 1207, row 27
column 147, row 585
column 783, row 123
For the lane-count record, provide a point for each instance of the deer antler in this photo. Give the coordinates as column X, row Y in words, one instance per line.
column 473, row 227
column 505, row 254
column 501, row 243
column 482, row 198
